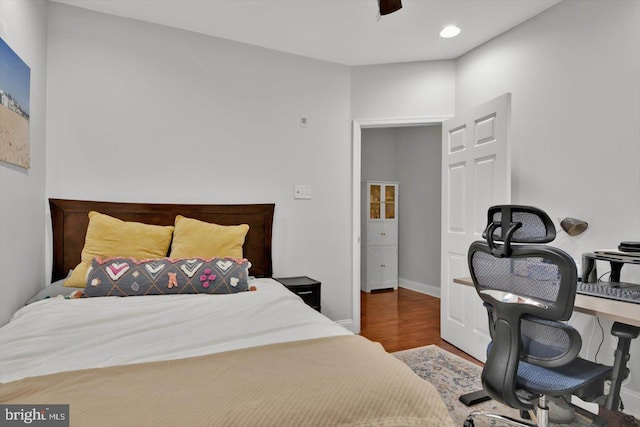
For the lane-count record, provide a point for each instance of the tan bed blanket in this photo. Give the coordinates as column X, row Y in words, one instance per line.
column 345, row 380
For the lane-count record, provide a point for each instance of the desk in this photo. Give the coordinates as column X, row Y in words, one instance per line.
column 617, row 311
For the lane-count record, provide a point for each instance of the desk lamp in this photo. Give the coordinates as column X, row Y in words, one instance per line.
column 573, row 226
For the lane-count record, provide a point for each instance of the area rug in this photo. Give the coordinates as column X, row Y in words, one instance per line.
column 453, row 376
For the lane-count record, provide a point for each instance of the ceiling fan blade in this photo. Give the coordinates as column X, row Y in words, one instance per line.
column 389, row 6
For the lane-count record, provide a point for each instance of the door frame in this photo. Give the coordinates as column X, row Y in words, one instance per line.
column 356, row 177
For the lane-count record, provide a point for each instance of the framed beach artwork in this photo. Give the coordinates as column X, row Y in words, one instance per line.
column 15, row 79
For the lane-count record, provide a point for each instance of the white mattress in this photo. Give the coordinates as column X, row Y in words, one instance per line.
column 56, row 334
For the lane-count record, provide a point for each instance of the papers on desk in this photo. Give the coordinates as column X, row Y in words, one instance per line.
column 616, row 254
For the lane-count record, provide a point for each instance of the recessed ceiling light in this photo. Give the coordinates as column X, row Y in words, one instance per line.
column 449, row 31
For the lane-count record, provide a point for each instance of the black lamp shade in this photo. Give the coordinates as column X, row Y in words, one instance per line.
column 573, row 226
column 389, row 6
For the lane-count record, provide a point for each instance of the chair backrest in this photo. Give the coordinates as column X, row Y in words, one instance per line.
column 526, row 286
column 517, row 224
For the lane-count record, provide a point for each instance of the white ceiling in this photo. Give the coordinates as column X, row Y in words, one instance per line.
column 343, row 31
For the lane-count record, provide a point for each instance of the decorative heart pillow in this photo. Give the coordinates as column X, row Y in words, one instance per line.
column 130, row 277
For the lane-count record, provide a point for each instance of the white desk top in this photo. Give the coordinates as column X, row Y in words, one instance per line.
column 618, row 311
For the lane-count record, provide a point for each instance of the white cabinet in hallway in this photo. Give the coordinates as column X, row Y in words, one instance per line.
column 379, row 236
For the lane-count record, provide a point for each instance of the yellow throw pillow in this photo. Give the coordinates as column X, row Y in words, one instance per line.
column 194, row 238
column 111, row 237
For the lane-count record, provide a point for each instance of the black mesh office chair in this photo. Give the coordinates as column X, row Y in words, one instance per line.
column 528, row 289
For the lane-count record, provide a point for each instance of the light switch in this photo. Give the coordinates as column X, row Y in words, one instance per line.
column 302, row 192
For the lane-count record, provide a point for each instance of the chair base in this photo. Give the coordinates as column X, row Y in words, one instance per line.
column 507, row 420
column 561, row 411
column 541, row 416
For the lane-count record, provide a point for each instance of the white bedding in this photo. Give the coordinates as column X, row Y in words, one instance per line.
column 56, row 334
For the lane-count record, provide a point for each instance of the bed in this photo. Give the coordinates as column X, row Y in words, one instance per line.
column 260, row 357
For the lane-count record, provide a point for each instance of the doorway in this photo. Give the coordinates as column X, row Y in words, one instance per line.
column 411, row 195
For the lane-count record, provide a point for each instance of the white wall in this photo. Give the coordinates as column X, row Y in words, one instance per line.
column 411, row 156
column 411, row 89
column 23, row 26
column 378, row 154
column 146, row 113
column 418, row 169
column 574, row 75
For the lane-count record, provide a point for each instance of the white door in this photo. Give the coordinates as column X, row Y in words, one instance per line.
column 476, row 174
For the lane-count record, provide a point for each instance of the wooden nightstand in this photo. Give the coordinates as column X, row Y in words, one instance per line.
column 305, row 287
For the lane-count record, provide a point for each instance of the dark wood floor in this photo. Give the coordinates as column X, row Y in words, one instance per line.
column 403, row 319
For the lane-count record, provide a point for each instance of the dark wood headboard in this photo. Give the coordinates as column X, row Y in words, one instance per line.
column 70, row 219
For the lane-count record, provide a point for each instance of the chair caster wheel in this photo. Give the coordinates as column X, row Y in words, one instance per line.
column 468, row 423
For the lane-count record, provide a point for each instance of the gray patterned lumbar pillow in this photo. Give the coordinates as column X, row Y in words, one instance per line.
column 166, row 276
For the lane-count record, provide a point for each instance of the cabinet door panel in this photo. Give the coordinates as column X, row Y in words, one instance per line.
column 390, row 202
column 389, row 263
column 375, row 234
column 389, row 233
column 374, row 270
column 375, row 201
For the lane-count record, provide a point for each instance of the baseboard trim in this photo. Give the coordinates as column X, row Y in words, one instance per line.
column 347, row 324
column 423, row 288
column 631, row 400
